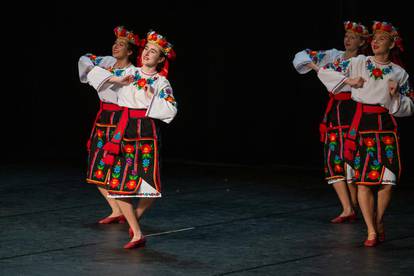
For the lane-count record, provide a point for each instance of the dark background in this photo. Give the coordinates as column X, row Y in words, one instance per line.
column 240, row 99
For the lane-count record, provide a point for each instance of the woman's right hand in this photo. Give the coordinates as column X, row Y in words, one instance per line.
column 313, row 66
column 125, row 80
column 357, row 82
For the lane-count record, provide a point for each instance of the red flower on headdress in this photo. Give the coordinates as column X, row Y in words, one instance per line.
column 162, row 43
column 377, row 25
column 387, row 28
column 153, row 37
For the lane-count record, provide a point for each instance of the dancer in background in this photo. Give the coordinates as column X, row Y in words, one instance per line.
column 338, row 115
column 124, row 53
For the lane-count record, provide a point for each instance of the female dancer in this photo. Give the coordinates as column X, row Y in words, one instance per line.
column 381, row 89
column 338, row 115
column 133, row 151
column 124, row 52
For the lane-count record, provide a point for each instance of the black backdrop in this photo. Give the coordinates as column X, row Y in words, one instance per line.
column 240, row 99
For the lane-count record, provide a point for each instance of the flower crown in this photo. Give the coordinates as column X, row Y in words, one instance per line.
column 356, row 28
column 154, row 37
column 388, row 28
column 121, row 32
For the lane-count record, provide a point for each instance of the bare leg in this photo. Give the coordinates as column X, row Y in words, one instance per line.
column 354, row 195
column 129, row 213
column 342, row 192
column 143, row 205
column 116, row 211
column 366, row 203
column 384, row 198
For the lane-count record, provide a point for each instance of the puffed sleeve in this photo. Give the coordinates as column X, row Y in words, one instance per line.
column 402, row 105
column 163, row 105
column 320, row 58
column 334, row 80
column 87, row 62
column 97, row 77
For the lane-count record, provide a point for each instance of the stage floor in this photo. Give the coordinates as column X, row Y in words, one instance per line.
column 212, row 220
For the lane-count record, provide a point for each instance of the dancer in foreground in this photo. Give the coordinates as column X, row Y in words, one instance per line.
column 380, row 86
column 133, row 152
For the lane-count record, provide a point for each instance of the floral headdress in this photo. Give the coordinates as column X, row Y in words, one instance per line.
column 388, row 28
column 357, row 28
column 121, row 32
column 165, row 46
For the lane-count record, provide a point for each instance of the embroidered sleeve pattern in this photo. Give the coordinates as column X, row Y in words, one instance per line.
column 338, row 65
column 95, row 60
column 167, row 95
column 316, row 56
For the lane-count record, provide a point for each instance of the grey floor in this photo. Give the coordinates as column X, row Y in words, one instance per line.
column 212, row 220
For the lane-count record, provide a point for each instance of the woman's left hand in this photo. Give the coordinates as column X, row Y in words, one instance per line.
column 393, row 87
column 313, row 66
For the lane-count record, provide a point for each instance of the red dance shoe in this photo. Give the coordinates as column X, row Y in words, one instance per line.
column 351, row 218
column 108, row 220
column 131, row 232
column 136, row 244
column 372, row 242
